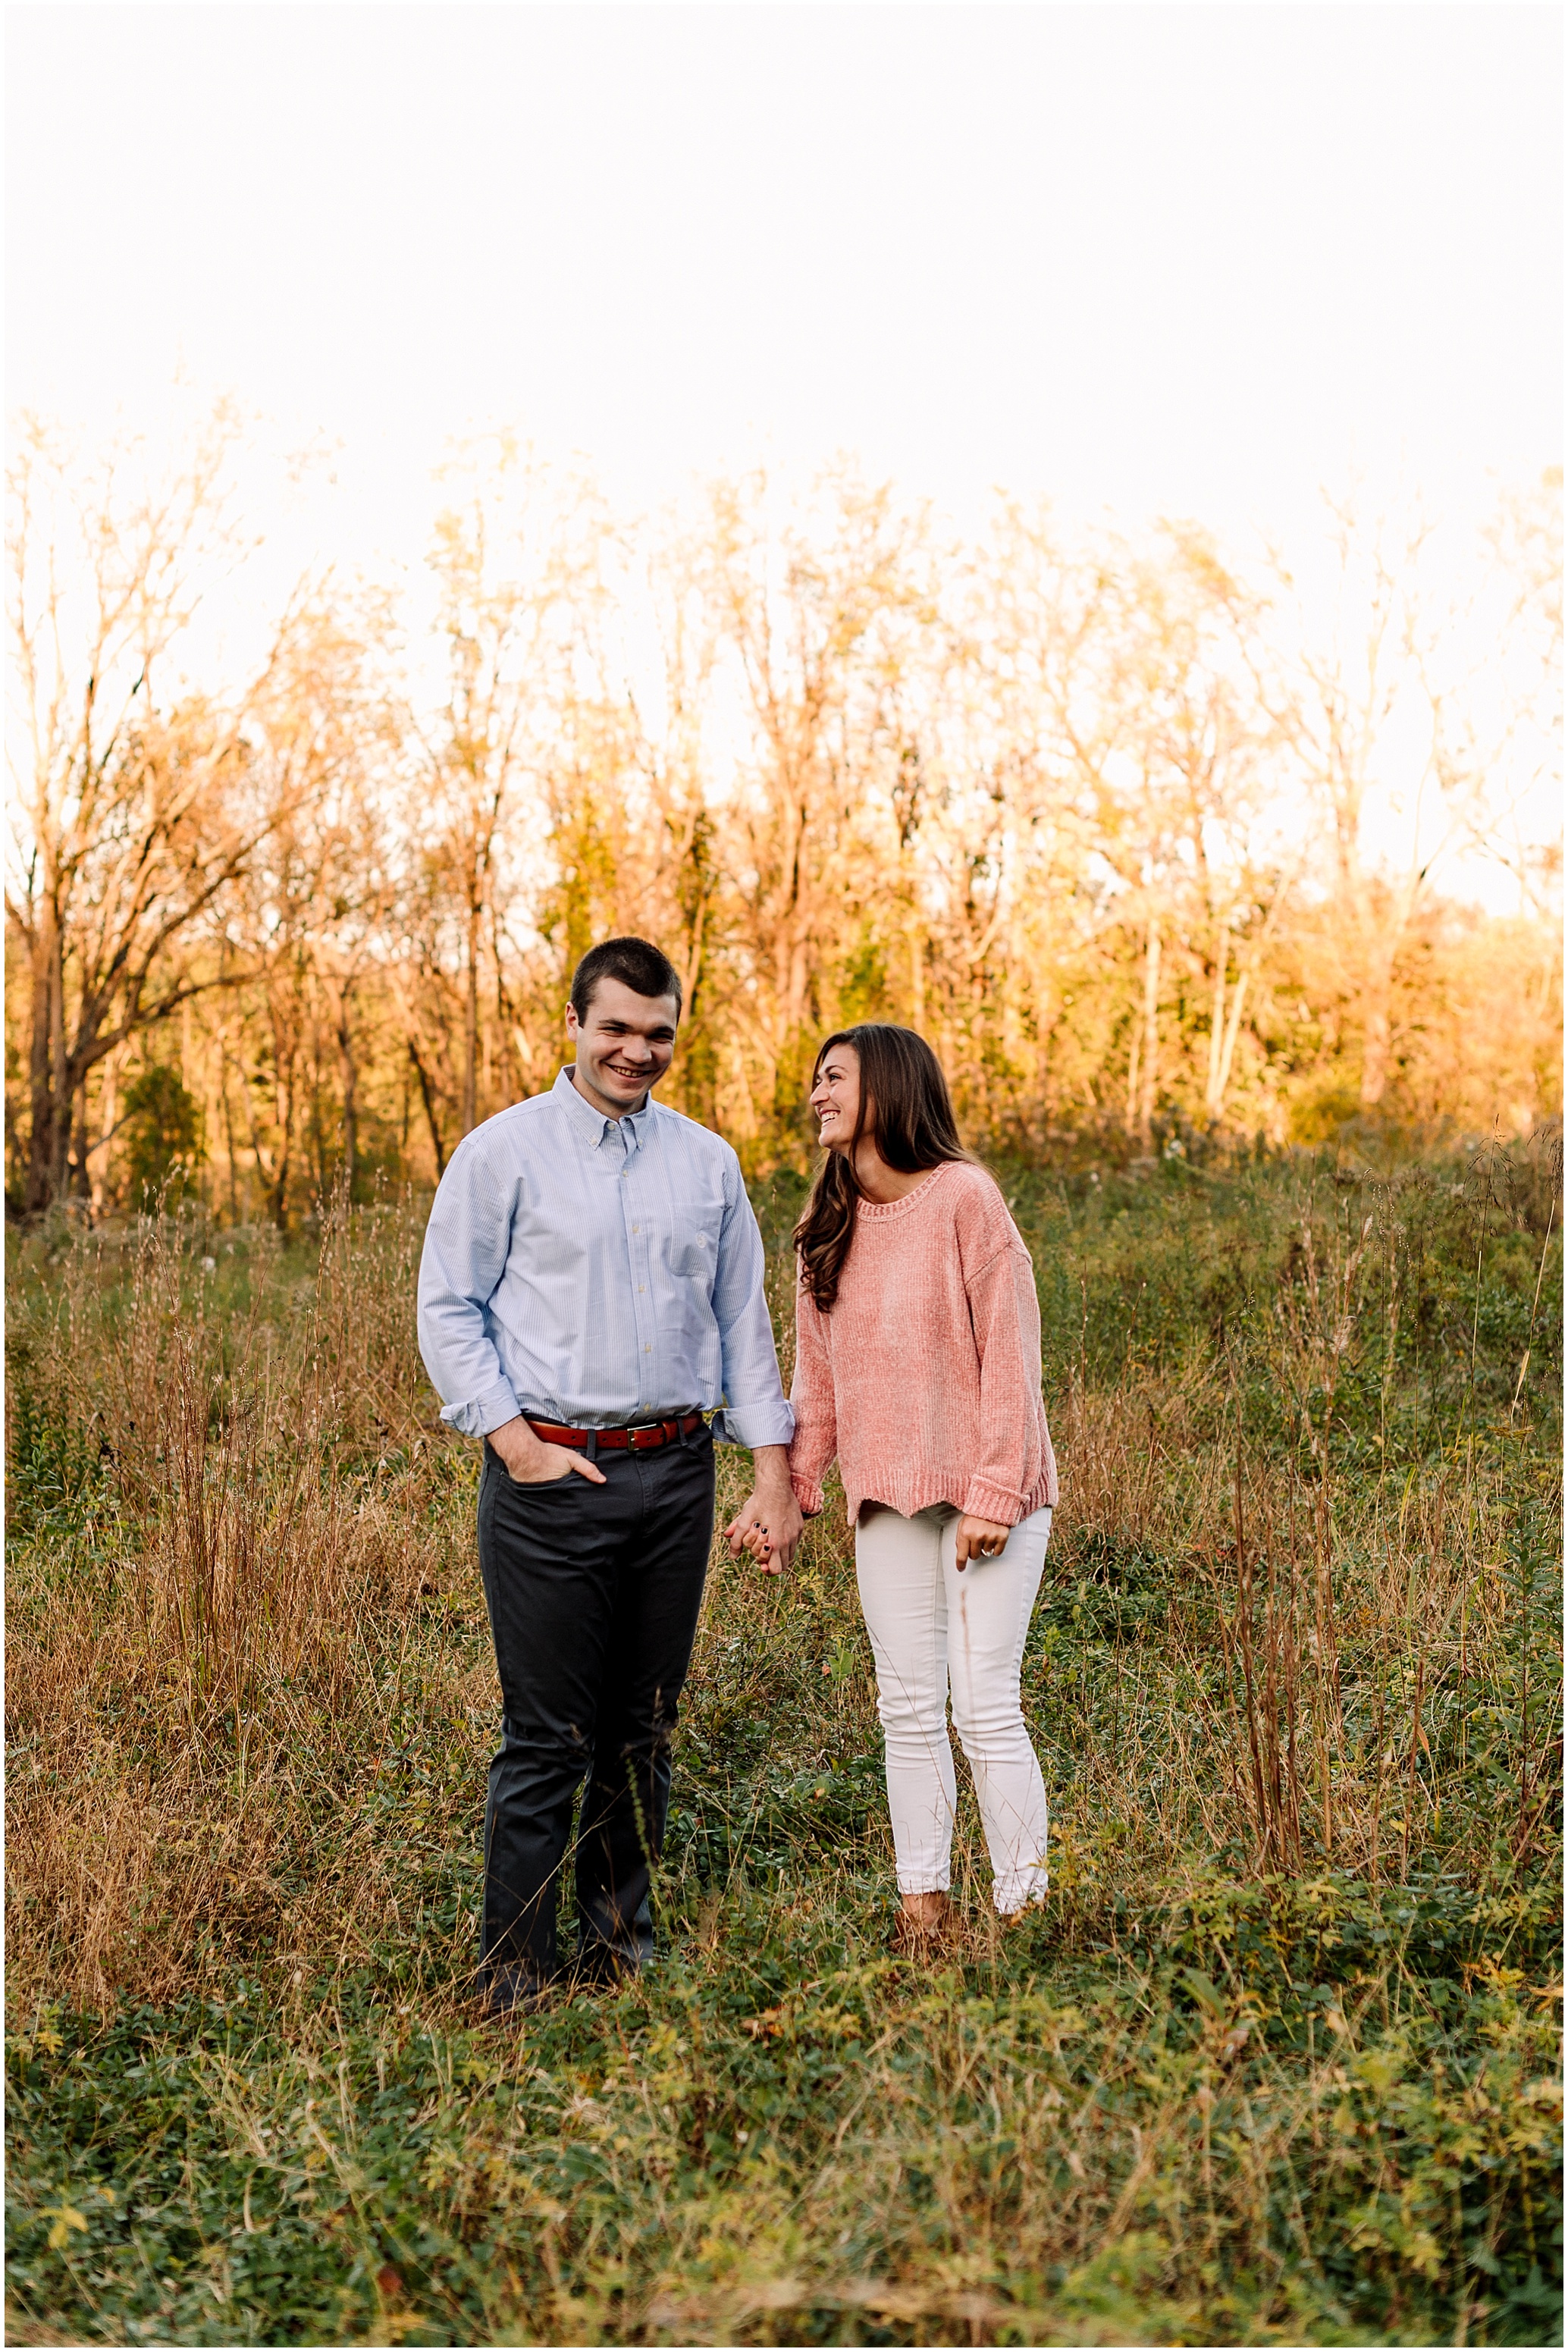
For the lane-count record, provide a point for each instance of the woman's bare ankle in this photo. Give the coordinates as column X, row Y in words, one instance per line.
column 925, row 1910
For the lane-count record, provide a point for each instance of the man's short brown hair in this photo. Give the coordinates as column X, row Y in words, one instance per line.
column 637, row 964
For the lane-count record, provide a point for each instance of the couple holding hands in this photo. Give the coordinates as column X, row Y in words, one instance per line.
column 592, row 1307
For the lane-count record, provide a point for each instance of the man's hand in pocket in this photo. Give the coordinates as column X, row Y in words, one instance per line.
column 528, row 1460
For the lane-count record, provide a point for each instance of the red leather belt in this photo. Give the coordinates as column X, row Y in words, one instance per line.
column 640, row 1439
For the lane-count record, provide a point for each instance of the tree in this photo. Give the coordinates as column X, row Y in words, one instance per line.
column 1412, row 718
column 126, row 829
column 508, row 559
column 815, row 629
column 1105, row 817
column 305, row 913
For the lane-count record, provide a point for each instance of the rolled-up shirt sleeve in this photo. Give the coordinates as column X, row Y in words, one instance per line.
column 756, row 1411
column 465, row 1245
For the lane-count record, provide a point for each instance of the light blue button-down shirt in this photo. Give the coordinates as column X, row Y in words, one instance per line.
column 598, row 1272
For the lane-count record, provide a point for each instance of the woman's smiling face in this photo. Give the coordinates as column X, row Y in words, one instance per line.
column 835, row 1097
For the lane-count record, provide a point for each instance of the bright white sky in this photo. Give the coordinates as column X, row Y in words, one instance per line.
column 1169, row 259
column 1191, row 258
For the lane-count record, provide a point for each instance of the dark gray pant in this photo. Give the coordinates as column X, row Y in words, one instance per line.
column 594, row 1593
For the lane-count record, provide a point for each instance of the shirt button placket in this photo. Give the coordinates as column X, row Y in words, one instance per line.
column 642, row 1320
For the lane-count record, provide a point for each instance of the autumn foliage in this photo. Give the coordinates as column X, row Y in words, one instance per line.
column 1108, row 819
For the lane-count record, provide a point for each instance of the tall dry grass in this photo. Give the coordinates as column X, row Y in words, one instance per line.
column 197, row 1700
column 1273, row 2066
column 269, row 1563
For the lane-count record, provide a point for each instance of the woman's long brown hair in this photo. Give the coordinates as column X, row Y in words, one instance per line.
column 901, row 1083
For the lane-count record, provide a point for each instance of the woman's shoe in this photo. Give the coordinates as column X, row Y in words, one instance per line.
column 921, row 1932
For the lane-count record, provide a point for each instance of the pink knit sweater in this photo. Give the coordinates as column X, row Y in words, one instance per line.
column 924, row 1377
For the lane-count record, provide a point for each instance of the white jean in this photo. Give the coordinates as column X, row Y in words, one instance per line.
column 931, row 1626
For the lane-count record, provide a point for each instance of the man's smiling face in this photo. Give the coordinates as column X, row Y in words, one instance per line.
column 624, row 1045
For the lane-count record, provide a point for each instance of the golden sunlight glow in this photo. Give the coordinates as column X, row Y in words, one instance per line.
column 478, row 572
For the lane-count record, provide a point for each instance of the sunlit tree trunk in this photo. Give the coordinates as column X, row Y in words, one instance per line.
column 1214, row 1089
column 470, row 1114
column 1149, row 1071
column 427, row 1097
column 350, row 1069
column 43, row 1165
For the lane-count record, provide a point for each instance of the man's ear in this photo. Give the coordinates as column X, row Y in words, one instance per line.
column 573, row 1024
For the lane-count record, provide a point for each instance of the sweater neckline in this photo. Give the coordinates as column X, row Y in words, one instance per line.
column 910, row 1200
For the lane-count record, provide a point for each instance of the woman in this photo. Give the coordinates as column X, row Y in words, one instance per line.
column 918, row 1364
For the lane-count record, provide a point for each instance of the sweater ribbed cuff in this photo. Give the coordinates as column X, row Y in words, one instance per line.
column 809, row 1496
column 1004, row 1505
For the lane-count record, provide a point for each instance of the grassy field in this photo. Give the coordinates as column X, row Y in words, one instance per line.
column 1278, row 2065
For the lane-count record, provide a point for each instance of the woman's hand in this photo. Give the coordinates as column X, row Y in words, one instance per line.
column 979, row 1540
column 768, row 1523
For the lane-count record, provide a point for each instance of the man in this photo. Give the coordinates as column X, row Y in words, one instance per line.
column 591, row 1287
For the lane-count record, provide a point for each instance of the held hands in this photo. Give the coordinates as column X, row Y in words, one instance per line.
column 979, row 1540
column 769, row 1523
column 764, row 1530
column 532, row 1463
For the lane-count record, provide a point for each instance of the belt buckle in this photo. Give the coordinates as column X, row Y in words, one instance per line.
column 636, row 1429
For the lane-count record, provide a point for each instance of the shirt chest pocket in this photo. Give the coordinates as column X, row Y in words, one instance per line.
column 694, row 1243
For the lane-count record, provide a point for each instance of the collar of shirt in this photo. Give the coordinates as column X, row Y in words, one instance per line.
column 593, row 1126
